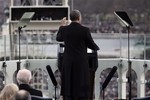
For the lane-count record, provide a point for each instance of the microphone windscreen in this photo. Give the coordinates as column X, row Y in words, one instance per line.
column 50, row 72
column 110, row 75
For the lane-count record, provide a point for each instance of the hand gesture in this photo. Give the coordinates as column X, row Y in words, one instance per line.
column 64, row 21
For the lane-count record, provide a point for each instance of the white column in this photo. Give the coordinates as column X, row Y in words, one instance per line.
column 65, row 2
column 37, row 2
column 12, row 3
column 122, row 81
column 122, row 88
column 97, row 87
column 141, row 87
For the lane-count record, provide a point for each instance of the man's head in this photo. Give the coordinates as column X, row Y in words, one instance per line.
column 75, row 15
column 24, row 76
column 22, row 95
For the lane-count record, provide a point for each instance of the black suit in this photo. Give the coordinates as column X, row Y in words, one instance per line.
column 75, row 70
column 30, row 90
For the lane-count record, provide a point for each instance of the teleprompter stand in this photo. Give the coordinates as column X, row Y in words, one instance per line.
column 25, row 19
column 125, row 21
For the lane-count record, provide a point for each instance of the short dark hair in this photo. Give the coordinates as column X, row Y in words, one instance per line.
column 74, row 15
column 23, row 95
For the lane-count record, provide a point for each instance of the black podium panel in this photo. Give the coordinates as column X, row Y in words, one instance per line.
column 93, row 60
column 59, row 60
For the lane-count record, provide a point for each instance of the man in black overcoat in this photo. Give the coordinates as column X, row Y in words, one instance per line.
column 75, row 68
column 24, row 77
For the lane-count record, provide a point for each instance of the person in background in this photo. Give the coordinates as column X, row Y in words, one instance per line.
column 9, row 91
column 26, row 2
column 2, row 78
column 22, row 95
column 47, row 2
column 75, row 68
column 24, row 77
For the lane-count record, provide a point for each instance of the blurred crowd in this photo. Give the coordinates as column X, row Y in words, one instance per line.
column 108, row 23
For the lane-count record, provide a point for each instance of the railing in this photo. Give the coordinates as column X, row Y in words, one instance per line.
column 42, row 44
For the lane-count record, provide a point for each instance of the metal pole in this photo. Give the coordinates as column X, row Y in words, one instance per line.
column 26, row 47
column 11, row 42
column 120, row 46
column 4, row 63
column 129, row 66
column 4, row 47
column 19, row 29
column 18, row 63
column 144, row 47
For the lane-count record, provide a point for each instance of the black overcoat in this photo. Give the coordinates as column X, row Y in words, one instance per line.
column 30, row 90
column 75, row 69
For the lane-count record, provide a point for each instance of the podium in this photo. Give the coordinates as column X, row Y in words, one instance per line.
column 92, row 58
column 93, row 64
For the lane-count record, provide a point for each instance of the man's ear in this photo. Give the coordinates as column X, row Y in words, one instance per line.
column 30, row 81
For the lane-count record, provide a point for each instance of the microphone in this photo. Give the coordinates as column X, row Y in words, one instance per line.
column 109, row 77
column 50, row 72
